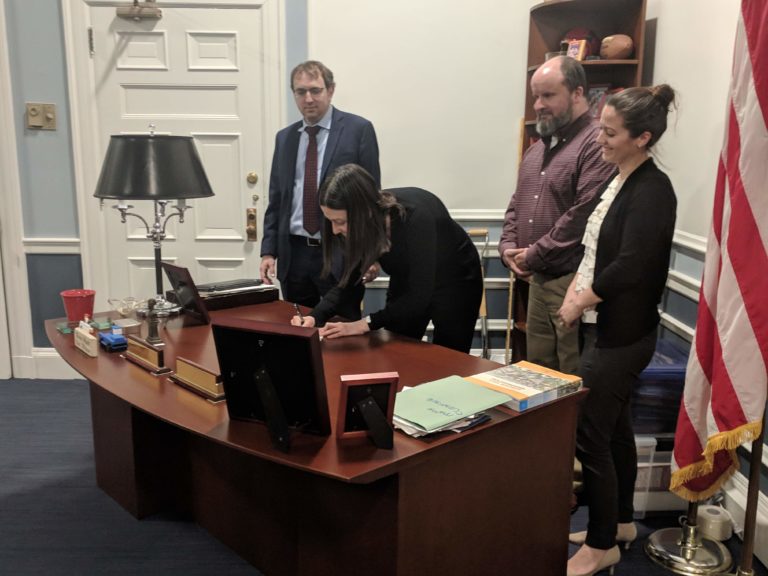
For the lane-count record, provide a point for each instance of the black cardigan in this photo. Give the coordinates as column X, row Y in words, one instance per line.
column 632, row 257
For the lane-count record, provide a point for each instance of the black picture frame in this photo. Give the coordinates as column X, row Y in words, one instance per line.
column 273, row 373
column 187, row 296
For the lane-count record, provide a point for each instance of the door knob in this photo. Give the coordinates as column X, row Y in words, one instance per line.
column 252, row 177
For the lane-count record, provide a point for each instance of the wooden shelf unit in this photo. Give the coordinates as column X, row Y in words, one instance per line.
column 550, row 21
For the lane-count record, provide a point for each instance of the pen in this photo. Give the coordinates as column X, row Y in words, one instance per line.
column 298, row 312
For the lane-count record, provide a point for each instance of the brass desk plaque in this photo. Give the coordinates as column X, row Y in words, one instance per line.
column 147, row 355
column 199, row 380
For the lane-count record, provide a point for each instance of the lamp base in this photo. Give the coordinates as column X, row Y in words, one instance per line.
column 163, row 308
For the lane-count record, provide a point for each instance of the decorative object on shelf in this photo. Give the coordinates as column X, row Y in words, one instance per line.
column 596, row 96
column 616, row 47
column 153, row 167
column 577, row 49
column 591, row 41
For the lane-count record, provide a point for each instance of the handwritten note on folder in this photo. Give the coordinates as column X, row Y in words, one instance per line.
column 433, row 405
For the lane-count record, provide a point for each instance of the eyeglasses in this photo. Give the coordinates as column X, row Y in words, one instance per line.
column 301, row 92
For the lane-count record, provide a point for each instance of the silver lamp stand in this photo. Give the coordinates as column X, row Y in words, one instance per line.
column 156, row 233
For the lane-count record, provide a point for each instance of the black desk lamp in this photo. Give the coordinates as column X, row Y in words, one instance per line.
column 153, row 167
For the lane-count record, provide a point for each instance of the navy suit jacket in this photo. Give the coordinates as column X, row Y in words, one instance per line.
column 351, row 139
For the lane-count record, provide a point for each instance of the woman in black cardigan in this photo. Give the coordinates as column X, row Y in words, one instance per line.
column 621, row 280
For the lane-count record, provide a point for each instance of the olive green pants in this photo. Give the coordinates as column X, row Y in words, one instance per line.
column 548, row 343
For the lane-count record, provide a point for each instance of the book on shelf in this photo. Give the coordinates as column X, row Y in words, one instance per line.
column 527, row 384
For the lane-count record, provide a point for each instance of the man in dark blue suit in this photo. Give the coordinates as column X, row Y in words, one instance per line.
column 305, row 153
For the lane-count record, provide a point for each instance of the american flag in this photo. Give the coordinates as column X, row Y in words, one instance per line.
column 725, row 385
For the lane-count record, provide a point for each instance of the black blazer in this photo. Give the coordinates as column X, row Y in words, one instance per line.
column 632, row 257
column 351, row 139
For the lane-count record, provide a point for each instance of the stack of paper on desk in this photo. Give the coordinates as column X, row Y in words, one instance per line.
column 446, row 404
column 527, row 384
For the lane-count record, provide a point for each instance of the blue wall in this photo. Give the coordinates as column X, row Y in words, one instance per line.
column 38, row 70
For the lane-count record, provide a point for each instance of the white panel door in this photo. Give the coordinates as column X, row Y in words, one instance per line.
column 198, row 71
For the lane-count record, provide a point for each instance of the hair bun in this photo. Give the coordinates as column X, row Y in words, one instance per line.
column 664, row 94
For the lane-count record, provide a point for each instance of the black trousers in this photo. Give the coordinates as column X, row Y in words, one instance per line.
column 304, row 285
column 453, row 311
column 605, row 441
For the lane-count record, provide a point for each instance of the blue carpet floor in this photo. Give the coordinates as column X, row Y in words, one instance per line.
column 53, row 518
column 55, row 521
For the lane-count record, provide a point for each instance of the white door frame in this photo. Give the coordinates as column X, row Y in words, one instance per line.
column 19, row 357
column 86, row 150
column 14, row 298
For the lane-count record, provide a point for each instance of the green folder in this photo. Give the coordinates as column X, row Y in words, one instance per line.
column 435, row 404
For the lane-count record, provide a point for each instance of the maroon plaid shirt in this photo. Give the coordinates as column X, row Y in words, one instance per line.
column 553, row 200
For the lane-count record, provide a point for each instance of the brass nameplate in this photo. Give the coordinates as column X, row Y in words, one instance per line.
column 198, row 379
column 148, row 356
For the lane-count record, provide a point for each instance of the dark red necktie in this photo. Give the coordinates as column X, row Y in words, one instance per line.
column 311, row 203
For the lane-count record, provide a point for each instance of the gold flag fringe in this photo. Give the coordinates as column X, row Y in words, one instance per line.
column 727, row 441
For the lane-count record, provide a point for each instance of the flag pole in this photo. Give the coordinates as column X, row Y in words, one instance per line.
column 750, row 514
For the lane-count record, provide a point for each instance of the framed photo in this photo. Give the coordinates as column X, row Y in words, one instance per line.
column 577, row 49
column 364, row 400
column 596, row 97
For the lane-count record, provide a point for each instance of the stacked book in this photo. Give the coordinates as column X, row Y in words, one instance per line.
column 456, row 404
column 527, row 385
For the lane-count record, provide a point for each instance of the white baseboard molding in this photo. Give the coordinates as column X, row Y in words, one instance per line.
column 43, row 363
column 735, row 491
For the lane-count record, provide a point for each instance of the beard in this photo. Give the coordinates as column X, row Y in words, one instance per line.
column 551, row 124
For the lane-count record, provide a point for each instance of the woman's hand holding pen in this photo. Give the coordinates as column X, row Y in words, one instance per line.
column 305, row 321
column 300, row 320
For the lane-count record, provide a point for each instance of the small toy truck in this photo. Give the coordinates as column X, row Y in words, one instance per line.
column 112, row 342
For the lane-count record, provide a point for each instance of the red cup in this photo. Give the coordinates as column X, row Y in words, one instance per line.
column 78, row 303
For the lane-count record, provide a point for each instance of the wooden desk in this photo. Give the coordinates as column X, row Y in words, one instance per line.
column 493, row 500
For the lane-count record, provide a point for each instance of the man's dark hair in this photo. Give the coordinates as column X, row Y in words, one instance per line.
column 313, row 68
column 573, row 74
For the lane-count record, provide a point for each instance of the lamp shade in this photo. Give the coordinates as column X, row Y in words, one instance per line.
column 152, row 167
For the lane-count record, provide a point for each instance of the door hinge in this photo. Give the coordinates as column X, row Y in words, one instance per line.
column 91, row 50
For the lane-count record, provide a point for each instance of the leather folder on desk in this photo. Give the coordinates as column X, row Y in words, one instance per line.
column 233, row 297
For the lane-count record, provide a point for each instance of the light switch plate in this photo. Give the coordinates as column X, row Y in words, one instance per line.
column 41, row 116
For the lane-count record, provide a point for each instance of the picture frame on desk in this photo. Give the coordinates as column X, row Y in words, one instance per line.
column 366, row 407
column 596, row 97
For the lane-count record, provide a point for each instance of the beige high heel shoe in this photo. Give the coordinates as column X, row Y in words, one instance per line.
column 611, row 558
column 626, row 533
